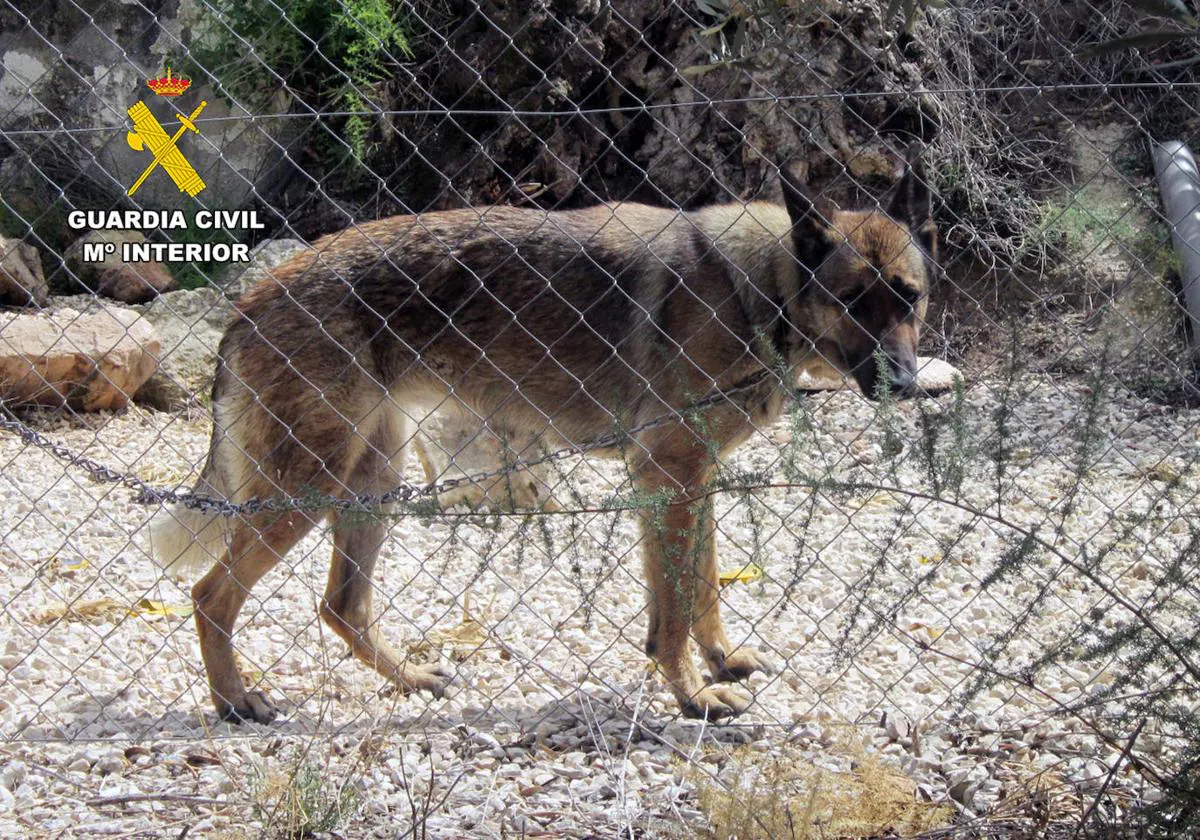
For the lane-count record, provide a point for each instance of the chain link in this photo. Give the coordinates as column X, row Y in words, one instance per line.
column 406, row 491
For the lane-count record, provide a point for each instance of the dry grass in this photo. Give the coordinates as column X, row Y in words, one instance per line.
column 458, row 643
column 304, row 801
column 103, row 610
column 88, row 611
column 785, row 796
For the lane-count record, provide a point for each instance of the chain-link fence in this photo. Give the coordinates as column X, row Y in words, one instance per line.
column 583, row 337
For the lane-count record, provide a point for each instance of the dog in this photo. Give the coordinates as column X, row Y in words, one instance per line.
column 568, row 324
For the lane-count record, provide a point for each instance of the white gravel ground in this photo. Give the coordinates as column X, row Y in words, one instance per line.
column 558, row 728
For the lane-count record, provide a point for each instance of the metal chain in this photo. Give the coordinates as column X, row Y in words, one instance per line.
column 406, row 491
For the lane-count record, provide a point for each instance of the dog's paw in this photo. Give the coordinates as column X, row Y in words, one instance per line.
column 739, row 664
column 436, row 679
column 254, row 708
column 715, row 702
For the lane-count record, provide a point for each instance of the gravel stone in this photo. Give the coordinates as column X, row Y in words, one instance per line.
column 108, row 694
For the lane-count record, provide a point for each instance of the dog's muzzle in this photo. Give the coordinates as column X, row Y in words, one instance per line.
column 901, row 376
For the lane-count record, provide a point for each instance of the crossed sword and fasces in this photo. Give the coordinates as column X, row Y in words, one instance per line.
column 148, row 132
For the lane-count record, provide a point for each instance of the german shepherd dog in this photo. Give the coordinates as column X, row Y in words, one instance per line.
column 570, row 324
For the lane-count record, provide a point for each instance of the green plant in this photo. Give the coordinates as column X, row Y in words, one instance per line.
column 1092, row 219
column 328, row 57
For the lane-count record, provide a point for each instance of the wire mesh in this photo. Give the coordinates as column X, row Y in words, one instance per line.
column 976, row 604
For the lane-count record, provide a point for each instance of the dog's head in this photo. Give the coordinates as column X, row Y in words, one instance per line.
column 866, row 278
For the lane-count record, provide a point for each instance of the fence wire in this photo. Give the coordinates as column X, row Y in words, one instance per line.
column 963, row 607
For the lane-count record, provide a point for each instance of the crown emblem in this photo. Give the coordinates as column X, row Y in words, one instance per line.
column 168, row 85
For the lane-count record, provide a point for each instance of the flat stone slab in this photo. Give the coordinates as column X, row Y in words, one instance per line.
column 934, row 376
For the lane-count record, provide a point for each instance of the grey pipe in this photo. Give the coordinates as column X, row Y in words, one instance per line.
column 1179, row 185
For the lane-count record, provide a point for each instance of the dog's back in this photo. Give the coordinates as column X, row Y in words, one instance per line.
column 575, row 317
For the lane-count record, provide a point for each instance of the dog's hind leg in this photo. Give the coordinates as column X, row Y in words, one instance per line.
column 348, row 610
column 358, row 536
column 726, row 663
column 255, row 547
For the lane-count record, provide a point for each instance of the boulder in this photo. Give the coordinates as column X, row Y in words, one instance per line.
column 112, row 277
column 935, row 376
column 191, row 323
column 134, row 282
column 21, row 279
column 263, row 259
column 240, row 156
column 88, row 361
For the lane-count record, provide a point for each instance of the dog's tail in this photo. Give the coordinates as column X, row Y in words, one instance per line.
column 187, row 540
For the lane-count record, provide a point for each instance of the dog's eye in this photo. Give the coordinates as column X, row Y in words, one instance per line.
column 907, row 293
column 851, row 300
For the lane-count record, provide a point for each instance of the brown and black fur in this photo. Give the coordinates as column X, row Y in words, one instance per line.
column 569, row 324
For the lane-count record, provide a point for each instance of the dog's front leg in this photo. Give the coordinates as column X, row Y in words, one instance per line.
column 725, row 662
column 673, row 553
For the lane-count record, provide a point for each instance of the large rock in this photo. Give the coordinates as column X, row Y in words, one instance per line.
column 88, row 361
column 21, row 279
column 191, row 323
column 114, row 278
column 95, row 67
column 239, row 157
column 263, row 260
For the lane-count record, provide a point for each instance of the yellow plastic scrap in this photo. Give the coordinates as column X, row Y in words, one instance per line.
column 160, row 609
column 746, row 574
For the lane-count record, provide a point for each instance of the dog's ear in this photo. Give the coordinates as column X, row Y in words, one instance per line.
column 811, row 217
column 910, row 201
